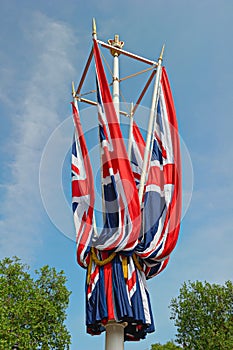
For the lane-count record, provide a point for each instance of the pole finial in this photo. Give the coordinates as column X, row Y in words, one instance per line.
column 115, row 43
column 162, row 52
column 94, row 32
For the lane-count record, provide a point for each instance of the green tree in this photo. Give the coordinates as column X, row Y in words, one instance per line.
column 170, row 345
column 203, row 315
column 32, row 311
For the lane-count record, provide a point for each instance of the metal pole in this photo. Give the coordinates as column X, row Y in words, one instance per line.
column 114, row 339
column 115, row 86
column 150, row 127
column 116, row 43
column 130, row 132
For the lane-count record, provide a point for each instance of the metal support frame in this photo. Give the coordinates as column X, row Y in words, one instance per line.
column 115, row 47
column 129, row 54
column 85, row 72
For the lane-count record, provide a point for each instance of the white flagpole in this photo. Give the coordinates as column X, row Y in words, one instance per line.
column 116, row 43
column 114, row 338
column 115, row 86
column 130, row 132
column 150, row 127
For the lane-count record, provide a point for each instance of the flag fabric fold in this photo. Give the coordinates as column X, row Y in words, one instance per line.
column 122, row 208
column 83, row 196
column 112, row 296
column 161, row 207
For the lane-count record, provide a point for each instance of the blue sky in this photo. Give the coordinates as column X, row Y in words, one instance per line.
column 44, row 46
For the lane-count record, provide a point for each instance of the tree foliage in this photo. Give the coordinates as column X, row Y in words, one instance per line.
column 203, row 315
column 32, row 310
column 170, row 345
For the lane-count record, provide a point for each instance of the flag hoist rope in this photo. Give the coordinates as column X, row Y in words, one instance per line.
column 97, row 261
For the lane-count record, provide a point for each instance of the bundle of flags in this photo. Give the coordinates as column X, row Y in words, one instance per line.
column 137, row 238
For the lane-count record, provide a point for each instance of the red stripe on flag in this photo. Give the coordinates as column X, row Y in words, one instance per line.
column 108, row 287
column 92, row 279
column 164, row 152
column 75, row 169
column 80, row 188
column 131, row 281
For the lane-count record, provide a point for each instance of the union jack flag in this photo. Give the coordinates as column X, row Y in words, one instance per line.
column 122, row 209
column 83, row 196
column 162, row 192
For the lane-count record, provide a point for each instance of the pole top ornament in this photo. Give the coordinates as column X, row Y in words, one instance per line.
column 162, row 53
column 115, row 43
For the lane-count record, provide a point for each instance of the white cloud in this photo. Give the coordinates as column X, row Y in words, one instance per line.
column 40, row 110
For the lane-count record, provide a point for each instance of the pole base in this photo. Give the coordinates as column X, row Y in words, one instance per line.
column 114, row 339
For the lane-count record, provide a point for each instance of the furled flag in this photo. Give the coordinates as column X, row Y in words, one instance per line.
column 82, row 192
column 137, row 155
column 161, row 207
column 122, row 208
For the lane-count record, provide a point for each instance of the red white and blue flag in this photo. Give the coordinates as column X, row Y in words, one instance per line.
column 161, row 207
column 122, row 209
column 83, row 195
